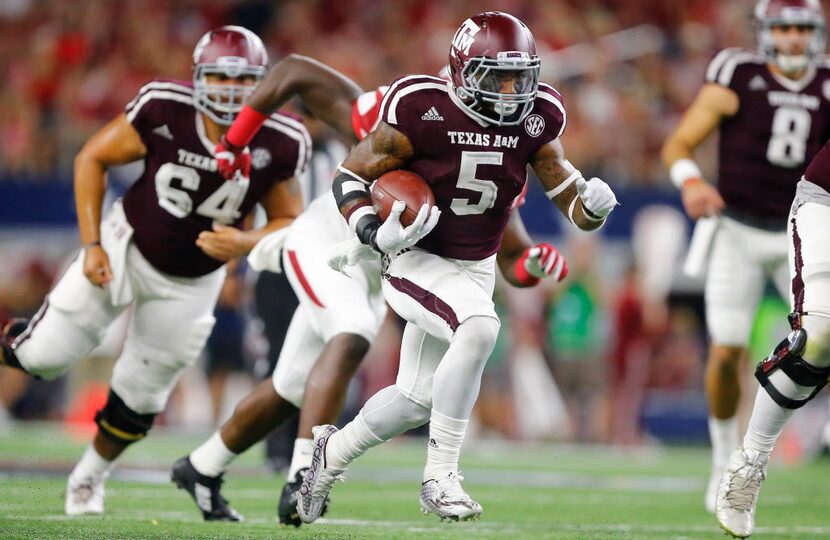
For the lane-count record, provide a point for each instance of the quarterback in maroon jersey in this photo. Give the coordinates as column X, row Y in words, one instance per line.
column 471, row 138
column 771, row 107
column 162, row 250
column 338, row 315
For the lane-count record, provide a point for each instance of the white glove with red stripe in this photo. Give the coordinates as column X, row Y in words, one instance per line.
column 231, row 159
column 540, row 261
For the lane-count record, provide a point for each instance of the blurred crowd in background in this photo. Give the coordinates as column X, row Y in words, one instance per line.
column 599, row 358
column 625, row 67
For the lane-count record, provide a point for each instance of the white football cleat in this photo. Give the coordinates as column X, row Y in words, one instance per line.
column 447, row 499
column 319, row 479
column 738, row 492
column 84, row 496
column 712, row 489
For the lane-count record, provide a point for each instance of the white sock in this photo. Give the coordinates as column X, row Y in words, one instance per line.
column 445, row 438
column 768, row 417
column 350, row 443
column 766, row 424
column 724, row 437
column 92, row 465
column 212, row 457
column 303, row 450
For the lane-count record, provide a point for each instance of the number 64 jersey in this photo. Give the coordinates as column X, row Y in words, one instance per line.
column 780, row 125
column 475, row 170
column 180, row 193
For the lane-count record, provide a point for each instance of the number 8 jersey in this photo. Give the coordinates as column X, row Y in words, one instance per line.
column 780, row 125
column 475, row 170
column 180, row 193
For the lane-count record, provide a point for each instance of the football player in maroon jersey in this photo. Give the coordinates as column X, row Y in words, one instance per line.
column 771, row 107
column 338, row 316
column 162, row 249
column 799, row 367
column 472, row 139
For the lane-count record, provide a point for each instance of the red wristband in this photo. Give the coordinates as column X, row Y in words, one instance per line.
column 245, row 126
column 522, row 276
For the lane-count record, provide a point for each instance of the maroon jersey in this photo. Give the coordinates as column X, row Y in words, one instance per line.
column 180, row 193
column 818, row 172
column 475, row 171
column 780, row 125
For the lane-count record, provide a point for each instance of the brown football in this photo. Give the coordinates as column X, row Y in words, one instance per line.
column 401, row 185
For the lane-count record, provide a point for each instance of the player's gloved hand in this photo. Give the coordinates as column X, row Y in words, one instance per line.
column 700, row 198
column 350, row 253
column 393, row 237
column 598, row 200
column 540, row 261
column 231, row 158
column 97, row 265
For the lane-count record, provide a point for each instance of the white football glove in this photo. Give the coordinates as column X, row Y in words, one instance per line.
column 393, row 237
column 350, row 253
column 597, row 197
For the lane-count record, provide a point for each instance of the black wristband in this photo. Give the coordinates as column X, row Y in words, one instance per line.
column 91, row 244
column 590, row 215
column 367, row 230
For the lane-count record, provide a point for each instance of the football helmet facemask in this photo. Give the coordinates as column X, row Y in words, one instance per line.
column 227, row 52
column 494, row 69
column 807, row 13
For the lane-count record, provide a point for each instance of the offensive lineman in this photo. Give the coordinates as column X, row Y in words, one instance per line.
column 772, row 108
column 163, row 248
column 471, row 138
column 338, row 316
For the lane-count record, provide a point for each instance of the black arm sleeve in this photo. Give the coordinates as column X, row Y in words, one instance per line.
column 353, row 192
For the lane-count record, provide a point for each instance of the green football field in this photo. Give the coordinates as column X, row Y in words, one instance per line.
column 527, row 491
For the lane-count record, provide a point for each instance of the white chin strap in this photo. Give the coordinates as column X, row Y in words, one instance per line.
column 791, row 63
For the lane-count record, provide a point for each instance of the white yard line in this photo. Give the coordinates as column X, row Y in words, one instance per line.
column 481, row 527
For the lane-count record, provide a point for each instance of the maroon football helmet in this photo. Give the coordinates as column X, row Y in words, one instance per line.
column 229, row 52
column 489, row 51
column 770, row 13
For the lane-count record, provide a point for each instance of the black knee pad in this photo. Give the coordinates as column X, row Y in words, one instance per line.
column 121, row 424
column 13, row 329
column 787, row 358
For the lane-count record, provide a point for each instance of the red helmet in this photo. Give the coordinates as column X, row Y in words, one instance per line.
column 488, row 49
column 770, row 13
column 231, row 52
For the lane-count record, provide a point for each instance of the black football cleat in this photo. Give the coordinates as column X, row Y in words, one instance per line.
column 287, row 509
column 205, row 490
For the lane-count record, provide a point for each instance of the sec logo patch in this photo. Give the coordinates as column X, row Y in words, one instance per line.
column 534, row 125
column 260, row 158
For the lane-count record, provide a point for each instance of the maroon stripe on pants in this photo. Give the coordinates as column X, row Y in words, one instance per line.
column 428, row 300
column 798, row 282
column 26, row 334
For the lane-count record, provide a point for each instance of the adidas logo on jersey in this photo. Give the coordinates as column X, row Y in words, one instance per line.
column 163, row 131
column 432, row 114
column 757, row 83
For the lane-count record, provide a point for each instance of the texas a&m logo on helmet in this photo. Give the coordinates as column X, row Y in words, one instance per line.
column 494, row 69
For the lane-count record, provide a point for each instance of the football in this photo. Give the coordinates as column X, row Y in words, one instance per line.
column 401, row 185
